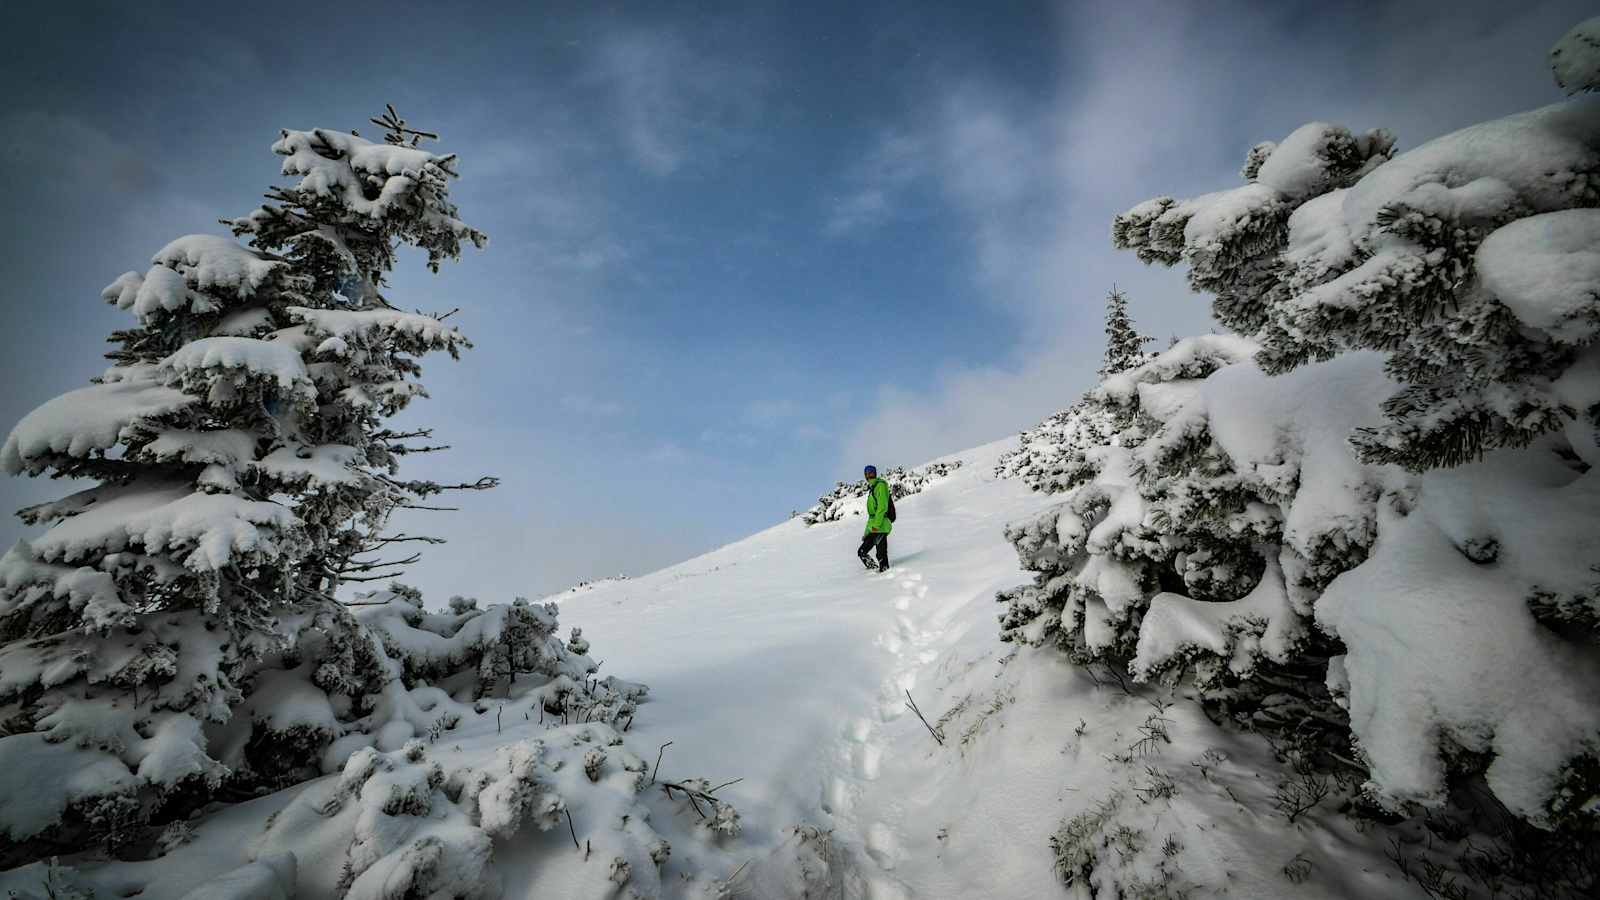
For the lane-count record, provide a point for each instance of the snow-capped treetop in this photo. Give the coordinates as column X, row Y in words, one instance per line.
column 1575, row 58
column 1124, row 343
column 346, row 185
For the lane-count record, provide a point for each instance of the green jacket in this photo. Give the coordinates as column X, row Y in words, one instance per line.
column 878, row 506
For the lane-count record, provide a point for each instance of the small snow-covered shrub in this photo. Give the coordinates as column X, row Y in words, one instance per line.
column 849, row 497
column 1371, row 516
column 1052, row 455
column 408, row 823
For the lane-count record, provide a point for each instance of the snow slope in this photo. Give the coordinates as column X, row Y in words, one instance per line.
column 779, row 661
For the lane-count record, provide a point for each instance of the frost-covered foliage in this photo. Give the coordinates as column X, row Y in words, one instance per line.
column 1426, row 258
column 1124, row 343
column 174, row 628
column 1373, row 515
column 413, row 823
column 849, row 498
column 383, row 672
column 1052, row 455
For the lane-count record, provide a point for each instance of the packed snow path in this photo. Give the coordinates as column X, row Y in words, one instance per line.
column 781, row 661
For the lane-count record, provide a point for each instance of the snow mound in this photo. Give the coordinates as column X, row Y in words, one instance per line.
column 213, row 530
column 1546, row 269
column 339, row 326
column 268, row 878
column 273, row 360
column 1575, row 58
column 218, row 265
column 87, row 420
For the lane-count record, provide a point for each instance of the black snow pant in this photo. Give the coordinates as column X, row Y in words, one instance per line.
column 881, row 541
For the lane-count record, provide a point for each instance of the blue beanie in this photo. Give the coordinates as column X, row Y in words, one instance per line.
column 873, row 470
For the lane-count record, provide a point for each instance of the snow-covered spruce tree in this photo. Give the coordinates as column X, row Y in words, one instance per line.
column 1051, row 456
column 1403, row 476
column 1124, row 343
column 244, row 473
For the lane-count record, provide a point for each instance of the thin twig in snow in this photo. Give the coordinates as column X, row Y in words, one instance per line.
column 657, row 770
column 912, row 704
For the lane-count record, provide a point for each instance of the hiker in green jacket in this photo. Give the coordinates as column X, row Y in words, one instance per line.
column 879, row 509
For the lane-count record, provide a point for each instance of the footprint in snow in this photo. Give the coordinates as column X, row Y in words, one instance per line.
column 837, row 798
column 860, row 729
column 869, row 757
column 882, row 846
column 902, row 602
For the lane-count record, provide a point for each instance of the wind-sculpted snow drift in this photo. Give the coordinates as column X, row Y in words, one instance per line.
column 1375, row 520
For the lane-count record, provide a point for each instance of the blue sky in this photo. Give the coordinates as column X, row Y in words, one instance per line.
column 736, row 249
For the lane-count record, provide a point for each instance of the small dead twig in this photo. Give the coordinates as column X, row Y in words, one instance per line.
column 912, row 704
column 657, row 770
column 696, row 795
column 693, row 795
column 575, row 844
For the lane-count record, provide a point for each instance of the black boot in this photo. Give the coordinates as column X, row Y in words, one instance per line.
column 867, row 561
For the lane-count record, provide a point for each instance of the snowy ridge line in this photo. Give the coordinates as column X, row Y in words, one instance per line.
column 848, row 498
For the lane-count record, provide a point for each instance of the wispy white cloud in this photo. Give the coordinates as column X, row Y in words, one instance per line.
column 723, row 437
column 810, row 431
column 587, row 405
column 769, row 412
column 872, row 192
column 668, row 453
column 673, row 101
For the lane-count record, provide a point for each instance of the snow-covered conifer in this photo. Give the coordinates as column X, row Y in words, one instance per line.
column 1388, row 506
column 244, row 473
column 1124, row 343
